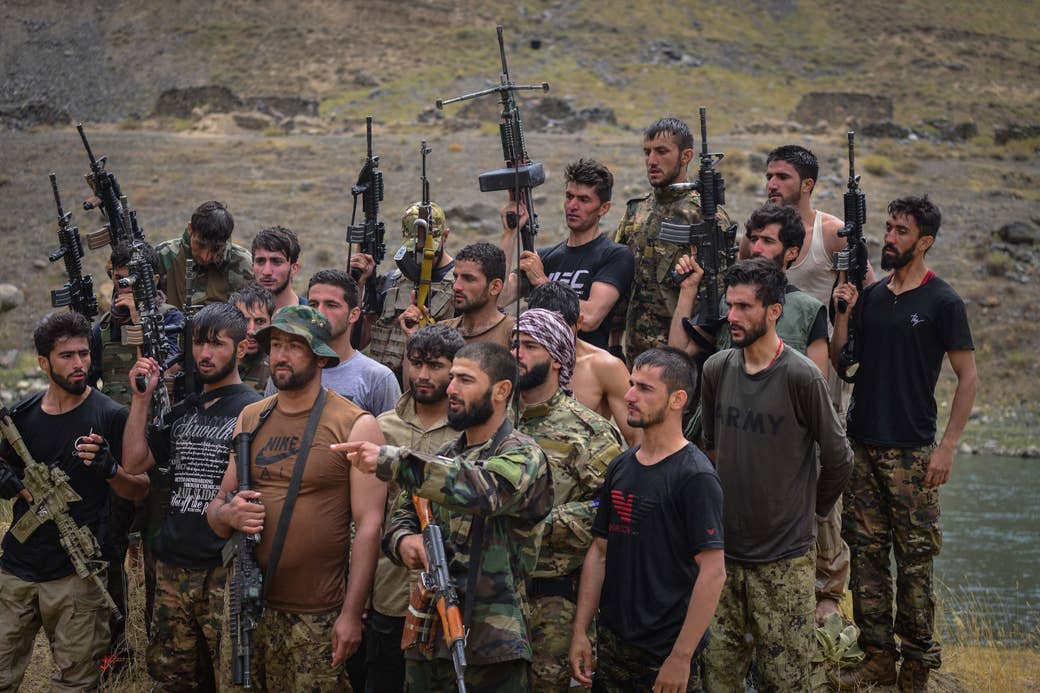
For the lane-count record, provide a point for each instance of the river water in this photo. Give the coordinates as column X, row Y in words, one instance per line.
column 989, row 567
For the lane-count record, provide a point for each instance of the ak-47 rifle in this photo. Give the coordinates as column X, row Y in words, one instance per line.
column 436, row 585
column 424, row 237
column 520, row 174
column 78, row 292
column 716, row 246
column 246, row 603
column 370, row 235
column 851, row 262
column 51, row 495
column 150, row 333
column 120, row 227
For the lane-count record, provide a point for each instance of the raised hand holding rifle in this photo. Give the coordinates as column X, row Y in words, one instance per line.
column 120, row 226
column 424, row 237
column 78, row 292
column 716, row 246
column 520, row 175
column 851, row 262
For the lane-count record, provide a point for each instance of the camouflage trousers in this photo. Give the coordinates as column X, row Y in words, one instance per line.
column 832, row 556
column 184, row 647
column 888, row 509
column 551, row 619
column 293, row 652
column 623, row 668
column 74, row 616
column 438, row 676
column 765, row 614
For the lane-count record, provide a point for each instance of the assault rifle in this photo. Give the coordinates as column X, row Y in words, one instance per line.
column 369, row 235
column 120, row 227
column 150, row 333
column 520, row 174
column 51, row 495
column 187, row 382
column 246, row 602
column 851, row 262
column 716, row 246
column 78, row 292
column 424, row 236
column 436, row 584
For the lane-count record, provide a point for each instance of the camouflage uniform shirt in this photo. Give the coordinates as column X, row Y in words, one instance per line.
column 580, row 445
column 654, row 294
column 213, row 284
column 255, row 371
column 512, row 489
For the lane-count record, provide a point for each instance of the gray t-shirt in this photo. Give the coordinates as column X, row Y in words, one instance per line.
column 765, row 428
column 364, row 381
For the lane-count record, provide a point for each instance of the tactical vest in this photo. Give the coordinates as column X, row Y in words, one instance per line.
column 388, row 339
column 116, row 361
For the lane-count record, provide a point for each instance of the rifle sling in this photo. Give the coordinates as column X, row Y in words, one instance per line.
column 476, row 543
column 294, row 482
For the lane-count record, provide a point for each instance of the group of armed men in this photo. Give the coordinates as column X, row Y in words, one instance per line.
column 590, row 545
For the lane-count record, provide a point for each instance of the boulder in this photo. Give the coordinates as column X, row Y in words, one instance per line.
column 884, row 129
column 179, row 103
column 31, row 114
column 1015, row 131
column 838, row 107
column 253, row 121
column 283, row 106
column 1018, row 233
column 10, row 297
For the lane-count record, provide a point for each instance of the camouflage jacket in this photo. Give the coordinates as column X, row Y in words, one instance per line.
column 512, row 489
column 255, row 371
column 213, row 284
column 580, row 445
column 388, row 340
column 654, row 294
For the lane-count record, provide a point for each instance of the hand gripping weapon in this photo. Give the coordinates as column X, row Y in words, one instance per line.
column 851, row 262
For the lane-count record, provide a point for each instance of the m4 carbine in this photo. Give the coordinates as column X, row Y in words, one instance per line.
column 78, row 292
column 851, row 261
column 370, row 235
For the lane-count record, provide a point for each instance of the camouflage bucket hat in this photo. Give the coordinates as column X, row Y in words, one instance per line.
column 411, row 214
column 305, row 322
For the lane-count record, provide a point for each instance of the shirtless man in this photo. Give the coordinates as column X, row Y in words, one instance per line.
column 600, row 379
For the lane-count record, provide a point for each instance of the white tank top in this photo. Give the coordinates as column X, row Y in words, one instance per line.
column 815, row 273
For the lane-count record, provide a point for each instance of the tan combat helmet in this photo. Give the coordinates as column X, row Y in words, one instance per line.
column 411, row 215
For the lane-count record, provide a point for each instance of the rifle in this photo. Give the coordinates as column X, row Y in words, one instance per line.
column 51, row 495
column 78, row 292
column 245, row 588
column 370, row 235
column 424, row 236
column 520, row 174
column 436, row 584
column 716, row 247
column 851, row 262
column 187, row 383
column 120, row 227
column 150, row 334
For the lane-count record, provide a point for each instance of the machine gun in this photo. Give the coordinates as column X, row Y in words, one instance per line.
column 120, row 227
column 369, row 235
column 851, row 262
column 716, row 247
column 424, row 237
column 78, row 292
column 150, row 333
column 520, row 174
column 246, row 602
column 51, row 495
column 436, row 585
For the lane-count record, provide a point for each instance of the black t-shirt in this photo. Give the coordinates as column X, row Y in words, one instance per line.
column 197, row 446
column 599, row 260
column 656, row 519
column 51, row 441
column 901, row 344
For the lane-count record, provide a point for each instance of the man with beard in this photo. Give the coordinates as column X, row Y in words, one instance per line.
column 906, row 323
column 391, row 328
column 364, row 381
column 276, row 260
column 489, row 490
column 596, row 267
column 600, row 379
column 668, row 150
column 220, row 266
column 184, row 642
column 480, row 271
column 308, row 496
column 766, row 411
column 257, row 305
column 420, row 422
column 660, row 516
column 73, row 428
column 580, row 444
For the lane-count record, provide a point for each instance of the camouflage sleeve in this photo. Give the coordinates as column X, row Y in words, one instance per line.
column 240, row 269
column 498, row 487
column 569, row 525
column 167, row 251
column 402, row 522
